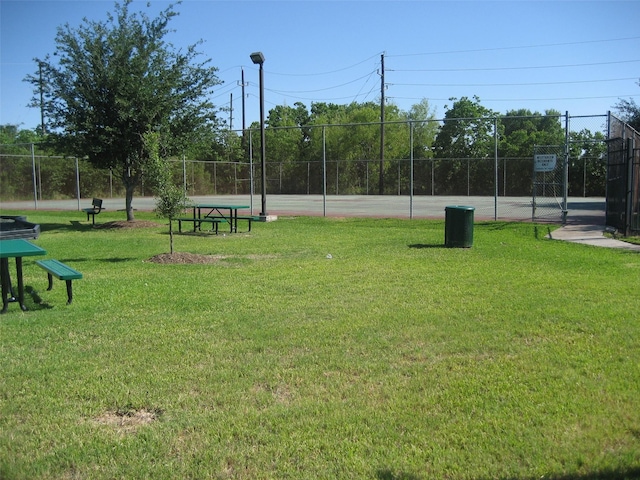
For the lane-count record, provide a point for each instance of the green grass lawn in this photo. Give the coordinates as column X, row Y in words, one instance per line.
column 396, row 358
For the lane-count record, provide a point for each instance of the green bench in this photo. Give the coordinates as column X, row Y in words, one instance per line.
column 55, row 268
column 95, row 209
column 197, row 222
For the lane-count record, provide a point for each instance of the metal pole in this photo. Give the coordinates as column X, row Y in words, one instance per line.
column 263, row 213
column 42, row 127
column 251, row 186
column 381, row 180
column 33, row 167
column 565, row 174
column 243, row 115
column 184, row 175
column 77, row 182
column 324, row 173
column 495, row 168
column 411, row 169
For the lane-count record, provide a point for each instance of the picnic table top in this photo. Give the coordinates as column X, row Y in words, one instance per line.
column 19, row 247
column 220, row 205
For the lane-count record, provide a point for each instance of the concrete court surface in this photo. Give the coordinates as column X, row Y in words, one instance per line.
column 585, row 217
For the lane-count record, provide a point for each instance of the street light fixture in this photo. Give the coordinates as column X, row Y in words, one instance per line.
column 258, row 59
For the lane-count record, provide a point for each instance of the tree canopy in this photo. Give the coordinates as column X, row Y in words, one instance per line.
column 629, row 110
column 114, row 82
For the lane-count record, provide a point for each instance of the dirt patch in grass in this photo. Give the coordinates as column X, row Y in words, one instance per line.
column 187, row 258
column 127, row 421
column 132, row 224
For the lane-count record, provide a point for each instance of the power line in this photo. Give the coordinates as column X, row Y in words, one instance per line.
column 508, row 84
column 487, row 69
column 522, row 99
column 321, row 89
column 322, row 73
column 544, row 45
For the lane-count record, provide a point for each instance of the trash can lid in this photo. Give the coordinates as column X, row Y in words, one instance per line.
column 459, row 207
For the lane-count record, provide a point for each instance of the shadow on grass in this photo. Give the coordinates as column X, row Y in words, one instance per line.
column 33, row 300
column 389, row 475
column 608, row 474
column 427, row 245
column 72, row 226
column 74, row 260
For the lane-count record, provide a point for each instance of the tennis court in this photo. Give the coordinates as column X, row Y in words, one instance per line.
column 580, row 210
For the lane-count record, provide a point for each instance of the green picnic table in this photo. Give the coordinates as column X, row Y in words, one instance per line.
column 215, row 210
column 16, row 248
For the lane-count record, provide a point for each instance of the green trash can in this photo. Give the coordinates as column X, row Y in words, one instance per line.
column 458, row 226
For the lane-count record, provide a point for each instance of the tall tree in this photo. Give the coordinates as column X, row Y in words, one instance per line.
column 114, row 82
column 587, row 164
column 425, row 129
column 465, row 138
column 629, row 111
column 520, row 131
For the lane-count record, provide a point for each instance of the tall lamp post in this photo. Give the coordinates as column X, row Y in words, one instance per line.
column 258, row 59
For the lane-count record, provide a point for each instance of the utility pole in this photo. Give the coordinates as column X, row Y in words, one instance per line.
column 42, row 127
column 381, row 182
column 231, row 111
column 244, row 126
column 242, row 84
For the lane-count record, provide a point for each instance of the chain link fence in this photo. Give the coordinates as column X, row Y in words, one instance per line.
column 623, row 177
column 345, row 160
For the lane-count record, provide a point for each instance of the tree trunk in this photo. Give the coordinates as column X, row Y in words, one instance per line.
column 130, row 182
column 129, row 189
column 170, row 237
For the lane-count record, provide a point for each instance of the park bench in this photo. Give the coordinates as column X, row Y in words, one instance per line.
column 55, row 268
column 95, row 209
column 197, row 222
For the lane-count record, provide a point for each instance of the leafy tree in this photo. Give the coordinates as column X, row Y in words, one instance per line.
column 114, row 82
column 587, row 164
column 12, row 135
column 465, row 138
column 353, row 140
column 520, row 131
column 171, row 200
column 425, row 130
column 629, row 111
column 287, row 138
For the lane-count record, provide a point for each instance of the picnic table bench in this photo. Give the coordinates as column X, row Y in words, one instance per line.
column 55, row 268
column 197, row 222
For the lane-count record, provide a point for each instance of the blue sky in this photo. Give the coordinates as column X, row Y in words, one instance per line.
column 576, row 56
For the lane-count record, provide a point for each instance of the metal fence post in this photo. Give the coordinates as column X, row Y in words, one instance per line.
column 565, row 174
column 411, row 169
column 78, row 182
column 495, row 168
column 324, row 172
column 33, row 168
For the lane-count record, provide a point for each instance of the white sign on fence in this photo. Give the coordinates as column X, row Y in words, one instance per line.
column 544, row 163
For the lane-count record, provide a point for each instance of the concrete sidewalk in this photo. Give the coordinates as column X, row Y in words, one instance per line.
column 591, row 235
